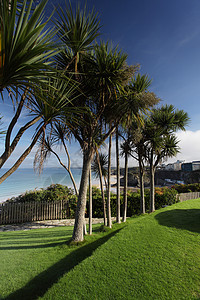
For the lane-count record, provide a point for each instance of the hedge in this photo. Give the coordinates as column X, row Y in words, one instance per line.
column 56, row 192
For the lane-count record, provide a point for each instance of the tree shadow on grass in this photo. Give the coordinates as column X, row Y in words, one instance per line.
column 41, row 245
column 187, row 219
column 39, row 285
column 29, row 240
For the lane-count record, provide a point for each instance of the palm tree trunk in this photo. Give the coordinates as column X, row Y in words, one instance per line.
column 109, row 221
column 102, row 189
column 90, row 202
column 22, row 157
column 73, row 182
column 118, row 219
column 10, row 148
column 81, row 204
column 152, row 192
column 142, row 199
column 68, row 170
column 69, row 167
column 125, row 187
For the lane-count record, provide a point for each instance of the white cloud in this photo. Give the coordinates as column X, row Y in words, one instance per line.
column 189, row 144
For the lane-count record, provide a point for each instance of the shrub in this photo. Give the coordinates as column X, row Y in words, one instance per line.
column 58, row 192
column 54, row 192
column 165, row 196
column 187, row 188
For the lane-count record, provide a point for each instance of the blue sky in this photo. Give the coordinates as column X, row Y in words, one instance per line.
column 164, row 38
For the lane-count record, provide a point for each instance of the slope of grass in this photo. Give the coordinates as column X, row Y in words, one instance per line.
column 154, row 256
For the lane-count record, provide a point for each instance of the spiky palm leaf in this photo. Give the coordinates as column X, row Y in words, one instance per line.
column 108, row 69
column 170, row 119
column 170, row 146
column 137, row 101
column 77, row 30
column 103, row 159
column 25, row 46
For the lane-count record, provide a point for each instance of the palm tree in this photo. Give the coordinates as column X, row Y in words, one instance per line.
column 2, row 132
column 138, row 146
column 109, row 220
column 160, row 139
column 125, row 151
column 99, row 74
column 111, row 115
column 135, row 103
column 118, row 217
column 100, row 169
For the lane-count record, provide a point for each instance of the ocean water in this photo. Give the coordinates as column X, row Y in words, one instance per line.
column 24, row 180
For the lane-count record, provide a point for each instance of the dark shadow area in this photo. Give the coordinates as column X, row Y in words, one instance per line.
column 30, row 240
column 187, row 219
column 19, row 247
column 30, row 234
column 38, row 286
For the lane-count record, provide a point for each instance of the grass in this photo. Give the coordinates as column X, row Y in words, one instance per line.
column 154, row 256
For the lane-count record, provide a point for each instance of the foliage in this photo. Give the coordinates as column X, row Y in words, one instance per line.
column 25, row 44
column 55, row 192
column 163, row 197
column 97, row 204
column 103, row 159
column 187, row 188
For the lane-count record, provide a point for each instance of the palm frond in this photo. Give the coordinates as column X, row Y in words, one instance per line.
column 77, row 30
column 103, row 159
column 25, row 46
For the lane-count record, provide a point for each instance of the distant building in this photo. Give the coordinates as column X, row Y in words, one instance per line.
column 177, row 165
column 191, row 166
column 174, row 166
column 195, row 165
column 181, row 165
column 186, row 167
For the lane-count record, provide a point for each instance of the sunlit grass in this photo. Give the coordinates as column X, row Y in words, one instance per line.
column 154, row 256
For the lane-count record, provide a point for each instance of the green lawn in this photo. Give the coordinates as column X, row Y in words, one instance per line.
column 154, row 256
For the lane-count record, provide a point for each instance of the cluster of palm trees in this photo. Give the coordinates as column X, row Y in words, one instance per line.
column 75, row 87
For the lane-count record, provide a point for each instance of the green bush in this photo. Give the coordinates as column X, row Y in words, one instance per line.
column 97, row 203
column 58, row 192
column 54, row 192
column 187, row 188
column 165, row 196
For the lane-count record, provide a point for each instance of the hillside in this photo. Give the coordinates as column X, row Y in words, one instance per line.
column 154, row 256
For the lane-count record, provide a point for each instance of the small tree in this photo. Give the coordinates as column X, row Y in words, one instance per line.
column 160, row 140
column 59, row 134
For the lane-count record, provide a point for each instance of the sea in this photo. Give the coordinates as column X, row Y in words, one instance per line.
column 23, row 180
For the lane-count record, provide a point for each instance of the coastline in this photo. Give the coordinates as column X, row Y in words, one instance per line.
column 25, row 180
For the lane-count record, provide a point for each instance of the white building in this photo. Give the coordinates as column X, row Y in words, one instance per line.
column 174, row 166
column 195, row 165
